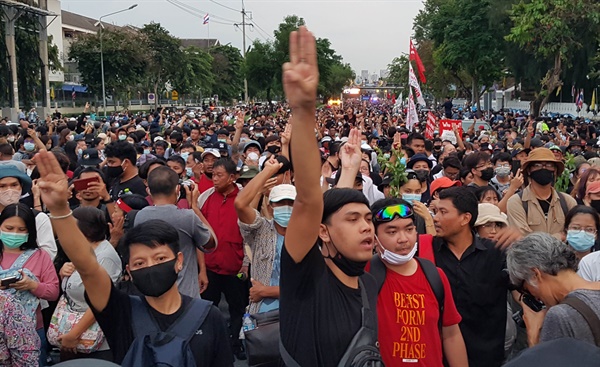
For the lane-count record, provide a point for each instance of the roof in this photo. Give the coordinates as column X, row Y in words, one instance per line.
column 203, row 43
column 80, row 22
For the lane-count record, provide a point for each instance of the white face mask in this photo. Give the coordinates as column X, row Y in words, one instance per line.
column 393, row 258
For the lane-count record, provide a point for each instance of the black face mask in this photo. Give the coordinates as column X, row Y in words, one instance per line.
column 422, row 174
column 542, row 177
column 273, row 149
column 487, row 174
column 114, row 172
column 596, row 205
column 347, row 266
column 154, row 281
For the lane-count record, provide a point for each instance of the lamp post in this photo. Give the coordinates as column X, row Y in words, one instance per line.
column 102, row 54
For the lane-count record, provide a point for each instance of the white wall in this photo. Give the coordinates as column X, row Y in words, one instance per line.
column 55, row 30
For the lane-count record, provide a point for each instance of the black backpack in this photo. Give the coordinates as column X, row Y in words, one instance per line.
column 170, row 348
column 378, row 270
column 363, row 350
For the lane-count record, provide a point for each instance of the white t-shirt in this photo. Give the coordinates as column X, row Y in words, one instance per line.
column 589, row 267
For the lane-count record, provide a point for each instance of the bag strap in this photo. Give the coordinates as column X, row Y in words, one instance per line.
column 288, row 360
column 524, row 203
column 22, row 259
column 435, row 281
column 563, row 203
column 378, row 271
column 426, row 247
column 363, row 295
column 143, row 322
column 588, row 314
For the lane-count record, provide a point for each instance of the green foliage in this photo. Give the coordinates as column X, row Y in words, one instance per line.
column 398, row 70
column 194, row 75
column 227, row 68
column 395, row 168
column 564, row 180
column 261, row 69
column 28, row 60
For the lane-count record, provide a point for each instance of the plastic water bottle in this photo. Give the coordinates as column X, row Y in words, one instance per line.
column 248, row 323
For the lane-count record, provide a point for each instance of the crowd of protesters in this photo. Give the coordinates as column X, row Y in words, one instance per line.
column 123, row 234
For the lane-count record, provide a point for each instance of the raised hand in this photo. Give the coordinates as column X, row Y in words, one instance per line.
column 350, row 153
column 301, row 73
column 286, row 135
column 53, row 183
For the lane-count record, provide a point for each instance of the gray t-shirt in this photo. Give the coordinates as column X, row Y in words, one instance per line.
column 564, row 321
column 193, row 235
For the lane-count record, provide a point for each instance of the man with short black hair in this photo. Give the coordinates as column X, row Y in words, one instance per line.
column 416, row 142
column 476, row 270
column 121, row 170
column 194, row 232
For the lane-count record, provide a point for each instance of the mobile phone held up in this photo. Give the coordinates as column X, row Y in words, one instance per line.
column 83, row 183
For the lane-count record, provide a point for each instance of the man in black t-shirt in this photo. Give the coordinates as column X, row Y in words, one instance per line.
column 448, row 108
column 153, row 262
column 121, row 170
column 323, row 255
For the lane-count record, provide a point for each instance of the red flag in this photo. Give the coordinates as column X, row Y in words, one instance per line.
column 414, row 55
column 430, row 126
column 394, row 98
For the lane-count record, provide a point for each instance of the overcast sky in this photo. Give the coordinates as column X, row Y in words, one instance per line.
column 368, row 34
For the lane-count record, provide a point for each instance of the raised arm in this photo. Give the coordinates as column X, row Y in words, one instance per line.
column 55, row 194
column 245, row 211
column 300, row 81
column 350, row 157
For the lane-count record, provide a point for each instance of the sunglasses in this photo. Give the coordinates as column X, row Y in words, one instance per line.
column 388, row 214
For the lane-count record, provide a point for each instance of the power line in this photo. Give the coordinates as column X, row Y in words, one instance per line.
column 225, row 6
column 262, row 32
column 182, row 5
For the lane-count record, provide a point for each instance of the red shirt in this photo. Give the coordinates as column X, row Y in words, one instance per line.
column 204, row 183
column 408, row 315
column 221, row 215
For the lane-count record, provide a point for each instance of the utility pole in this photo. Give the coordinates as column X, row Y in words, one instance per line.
column 244, row 24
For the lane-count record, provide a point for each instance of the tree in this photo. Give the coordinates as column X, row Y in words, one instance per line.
column 227, row 68
column 124, row 65
column 552, row 30
column 340, row 75
column 165, row 56
column 28, row 60
column 398, row 70
column 193, row 74
column 261, row 69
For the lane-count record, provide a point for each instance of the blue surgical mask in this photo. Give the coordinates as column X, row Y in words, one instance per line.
column 386, row 156
column 282, row 214
column 146, row 151
column 580, row 240
column 13, row 240
column 185, row 156
column 80, row 152
column 189, row 172
column 259, row 135
column 122, row 137
column 403, row 161
column 411, row 197
column 29, row 146
column 222, row 140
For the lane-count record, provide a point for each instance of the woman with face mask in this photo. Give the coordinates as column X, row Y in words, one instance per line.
column 581, row 226
column 28, row 273
column 406, row 290
column 411, row 192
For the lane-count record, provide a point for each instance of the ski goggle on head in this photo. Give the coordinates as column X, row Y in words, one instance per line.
column 389, row 213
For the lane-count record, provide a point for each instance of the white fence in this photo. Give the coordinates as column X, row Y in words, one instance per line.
column 554, row 107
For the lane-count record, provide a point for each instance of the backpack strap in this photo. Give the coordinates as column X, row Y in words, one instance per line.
column 378, row 271
column 426, row 247
column 435, row 281
column 185, row 326
column 526, row 203
column 588, row 314
column 563, row 203
column 288, row 360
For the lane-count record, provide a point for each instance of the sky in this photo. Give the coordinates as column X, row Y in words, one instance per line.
column 367, row 34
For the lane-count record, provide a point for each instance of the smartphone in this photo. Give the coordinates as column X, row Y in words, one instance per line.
column 516, row 165
column 5, row 282
column 82, row 184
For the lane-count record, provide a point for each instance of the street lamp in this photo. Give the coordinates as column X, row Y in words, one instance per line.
column 102, row 55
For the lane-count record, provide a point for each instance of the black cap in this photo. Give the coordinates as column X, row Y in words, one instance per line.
column 90, row 158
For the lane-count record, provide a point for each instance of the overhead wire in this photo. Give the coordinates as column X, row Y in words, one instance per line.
column 225, row 6
column 182, row 5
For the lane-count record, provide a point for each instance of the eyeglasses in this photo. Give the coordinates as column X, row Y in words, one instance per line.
column 589, row 230
column 493, row 225
column 388, row 214
column 547, row 165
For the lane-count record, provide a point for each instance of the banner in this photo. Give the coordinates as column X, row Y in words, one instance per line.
column 412, row 118
column 414, row 55
column 430, row 126
column 447, row 132
column 412, row 80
